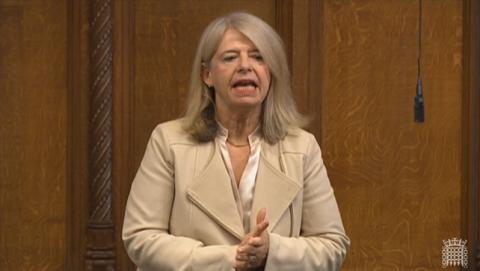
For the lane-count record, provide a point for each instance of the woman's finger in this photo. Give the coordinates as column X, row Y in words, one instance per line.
column 247, row 250
column 241, row 257
column 261, row 215
column 240, row 264
column 260, row 228
column 262, row 222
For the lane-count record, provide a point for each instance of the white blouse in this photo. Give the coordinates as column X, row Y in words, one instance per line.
column 244, row 193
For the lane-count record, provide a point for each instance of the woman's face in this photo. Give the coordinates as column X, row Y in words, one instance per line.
column 238, row 73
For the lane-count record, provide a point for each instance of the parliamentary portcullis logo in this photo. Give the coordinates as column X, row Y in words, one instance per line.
column 454, row 253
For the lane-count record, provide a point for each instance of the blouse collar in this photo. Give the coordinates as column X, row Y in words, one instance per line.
column 253, row 138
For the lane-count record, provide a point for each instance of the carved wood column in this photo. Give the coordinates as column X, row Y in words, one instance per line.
column 100, row 253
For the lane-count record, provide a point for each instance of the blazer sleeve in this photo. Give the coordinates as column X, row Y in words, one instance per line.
column 146, row 225
column 322, row 244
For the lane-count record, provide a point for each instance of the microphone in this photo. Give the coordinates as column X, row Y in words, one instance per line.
column 419, row 106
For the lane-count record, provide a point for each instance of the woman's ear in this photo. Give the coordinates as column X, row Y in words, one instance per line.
column 206, row 75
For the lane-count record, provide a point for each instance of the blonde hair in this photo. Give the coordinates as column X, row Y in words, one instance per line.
column 279, row 112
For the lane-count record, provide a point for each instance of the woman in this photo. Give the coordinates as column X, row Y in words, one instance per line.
column 235, row 184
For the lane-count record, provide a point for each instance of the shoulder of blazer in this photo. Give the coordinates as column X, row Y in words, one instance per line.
column 297, row 141
column 173, row 133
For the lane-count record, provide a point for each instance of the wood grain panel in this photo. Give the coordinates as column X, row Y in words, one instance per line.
column 471, row 131
column 284, row 25
column 123, row 166
column 306, row 55
column 33, row 135
column 78, row 137
column 398, row 182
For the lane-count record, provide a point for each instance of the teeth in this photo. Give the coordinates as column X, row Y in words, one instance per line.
column 245, row 84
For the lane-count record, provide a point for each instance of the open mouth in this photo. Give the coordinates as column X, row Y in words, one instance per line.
column 245, row 83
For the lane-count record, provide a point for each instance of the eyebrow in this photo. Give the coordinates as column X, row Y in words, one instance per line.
column 236, row 51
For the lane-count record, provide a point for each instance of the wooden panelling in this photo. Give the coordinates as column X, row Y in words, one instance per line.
column 307, row 60
column 33, row 135
column 78, row 151
column 123, row 165
column 398, row 183
column 284, row 25
column 471, row 131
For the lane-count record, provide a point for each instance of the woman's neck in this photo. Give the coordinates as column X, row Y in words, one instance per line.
column 239, row 124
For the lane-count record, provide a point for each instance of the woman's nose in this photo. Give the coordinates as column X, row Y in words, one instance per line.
column 244, row 64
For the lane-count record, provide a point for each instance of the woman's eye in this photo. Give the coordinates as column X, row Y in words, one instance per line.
column 228, row 58
column 258, row 57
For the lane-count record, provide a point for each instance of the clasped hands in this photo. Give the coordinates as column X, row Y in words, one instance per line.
column 253, row 250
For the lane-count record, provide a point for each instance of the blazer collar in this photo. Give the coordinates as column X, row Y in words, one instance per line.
column 212, row 191
column 274, row 190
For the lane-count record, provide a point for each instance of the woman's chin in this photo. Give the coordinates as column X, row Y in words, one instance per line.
column 246, row 103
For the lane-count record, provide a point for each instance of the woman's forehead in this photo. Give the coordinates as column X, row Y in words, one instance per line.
column 234, row 40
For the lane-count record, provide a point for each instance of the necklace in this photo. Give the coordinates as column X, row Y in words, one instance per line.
column 237, row 145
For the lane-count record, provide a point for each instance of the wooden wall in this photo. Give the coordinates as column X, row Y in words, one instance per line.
column 402, row 187
column 398, row 182
column 33, row 135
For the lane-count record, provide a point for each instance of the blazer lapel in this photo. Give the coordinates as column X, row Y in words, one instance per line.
column 212, row 192
column 274, row 190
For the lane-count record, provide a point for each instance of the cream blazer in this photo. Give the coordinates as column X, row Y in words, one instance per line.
column 181, row 213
